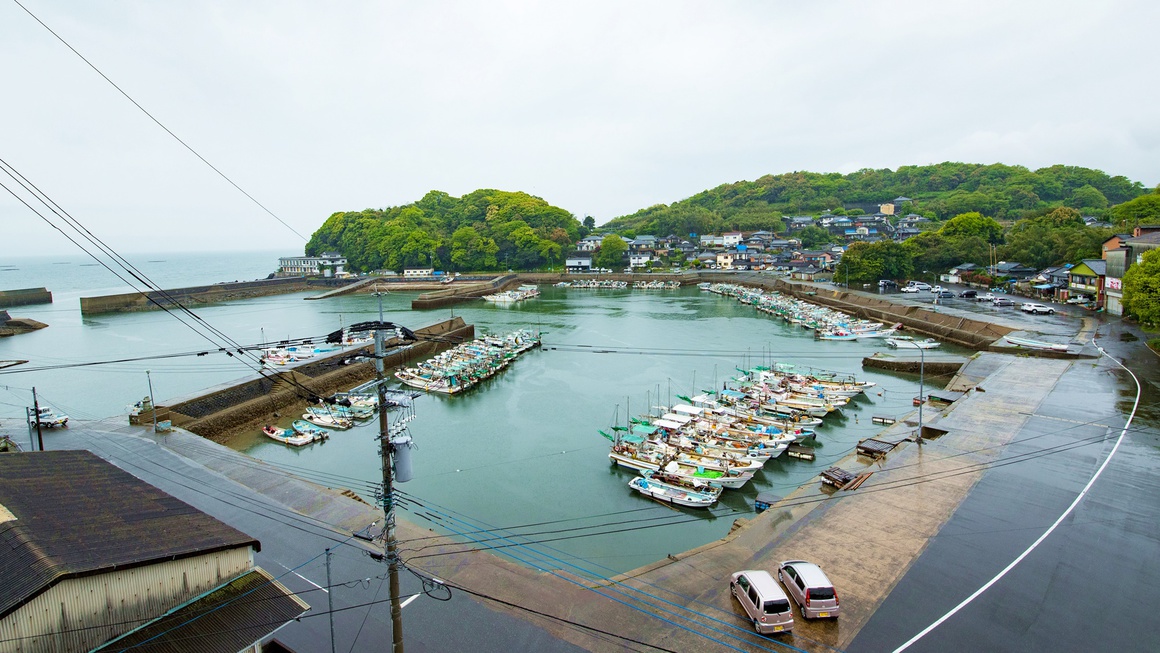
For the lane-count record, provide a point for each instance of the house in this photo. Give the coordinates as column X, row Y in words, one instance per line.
column 589, row 243
column 327, row 265
column 732, row 239
column 912, row 220
column 643, row 244
column 87, row 544
column 578, row 262
column 710, row 241
column 686, row 248
column 798, row 222
column 1051, row 283
column 639, row 259
column 820, row 260
column 1087, row 278
column 725, row 259
column 1115, row 242
column 804, row 273
column 1016, row 271
column 904, row 233
column 955, row 274
column 418, row 273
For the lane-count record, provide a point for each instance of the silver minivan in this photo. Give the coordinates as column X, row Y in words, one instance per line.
column 808, row 585
column 763, row 600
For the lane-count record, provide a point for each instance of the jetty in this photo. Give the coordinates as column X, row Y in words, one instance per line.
column 24, row 297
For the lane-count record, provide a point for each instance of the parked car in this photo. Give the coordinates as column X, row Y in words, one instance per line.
column 921, row 285
column 1078, row 299
column 908, row 289
column 986, row 297
column 887, row 283
column 763, row 601
column 1036, row 309
column 945, row 294
column 936, row 289
column 808, row 585
column 969, row 294
column 1002, row 301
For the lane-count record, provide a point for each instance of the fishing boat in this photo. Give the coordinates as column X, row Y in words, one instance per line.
column 328, row 420
column 345, row 412
column 907, row 342
column 654, row 488
column 286, row 436
column 880, row 333
column 302, row 427
column 1028, row 343
column 462, row 367
column 656, row 456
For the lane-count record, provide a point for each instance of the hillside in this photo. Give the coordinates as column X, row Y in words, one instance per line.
column 483, row 230
column 937, row 191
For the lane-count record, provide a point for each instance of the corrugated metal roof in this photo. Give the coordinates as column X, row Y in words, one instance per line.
column 77, row 514
column 226, row 620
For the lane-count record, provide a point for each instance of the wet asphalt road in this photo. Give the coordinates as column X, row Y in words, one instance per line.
column 1093, row 584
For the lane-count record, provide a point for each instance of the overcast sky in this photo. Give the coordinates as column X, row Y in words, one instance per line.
column 601, row 108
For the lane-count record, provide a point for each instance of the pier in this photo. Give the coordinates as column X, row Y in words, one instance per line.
column 24, row 297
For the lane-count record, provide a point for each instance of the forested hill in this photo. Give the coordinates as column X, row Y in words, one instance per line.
column 938, row 191
column 483, row 230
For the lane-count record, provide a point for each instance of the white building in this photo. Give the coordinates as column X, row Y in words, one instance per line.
column 328, row 265
column 418, row 273
column 589, row 243
column 732, row 239
column 578, row 263
column 639, row 260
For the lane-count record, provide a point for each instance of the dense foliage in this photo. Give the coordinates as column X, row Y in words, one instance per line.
column 1142, row 289
column 938, row 191
column 483, row 230
column 1142, row 210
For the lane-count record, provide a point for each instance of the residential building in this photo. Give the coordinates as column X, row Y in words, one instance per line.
column 732, row 239
column 1013, row 270
column 1087, row 278
column 578, row 262
column 711, row 241
column 94, row 554
column 589, row 243
column 642, row 244
column 418, row 273
column 725, row 259
column 639, row 259
column 798, row 222
column 328, row 265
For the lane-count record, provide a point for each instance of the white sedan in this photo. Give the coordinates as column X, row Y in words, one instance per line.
column 1036, row 309
column 908, row 289
column 986, row 297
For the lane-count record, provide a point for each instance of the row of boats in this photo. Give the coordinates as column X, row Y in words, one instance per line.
column 513, row 296
column 603, row 284
column 826, row 323
column 460, row 368
column 342, row 412
column 688, row 453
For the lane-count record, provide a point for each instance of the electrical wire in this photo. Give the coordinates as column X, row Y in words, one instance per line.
column 158, row 122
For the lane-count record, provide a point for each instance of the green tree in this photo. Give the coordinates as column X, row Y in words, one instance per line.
column 1142, row 289
column 611, row 254
column 589, row 222
column 868, row 262
column 470, row 251
column 973, row 224
column 1087, row 197
column 1142, row 210
column 813, row 237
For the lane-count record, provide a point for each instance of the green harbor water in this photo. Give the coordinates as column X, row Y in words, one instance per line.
column 522, row 450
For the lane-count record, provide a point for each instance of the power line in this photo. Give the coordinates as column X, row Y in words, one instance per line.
column 158, row 122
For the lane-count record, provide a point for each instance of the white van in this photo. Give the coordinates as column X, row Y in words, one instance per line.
column 763, row 601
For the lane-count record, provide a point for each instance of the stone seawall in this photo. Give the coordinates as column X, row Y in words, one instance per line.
column 248, row 404
column 196, row 295
column 24, row 297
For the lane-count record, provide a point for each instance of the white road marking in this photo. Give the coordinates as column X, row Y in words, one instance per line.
column 1037, row 542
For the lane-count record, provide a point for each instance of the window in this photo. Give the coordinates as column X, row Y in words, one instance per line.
column 821, row 593
column 801, row 585
column 743, row 582
column 753, row 596
column 776, row 607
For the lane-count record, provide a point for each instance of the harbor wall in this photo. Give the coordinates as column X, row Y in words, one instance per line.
column 24, row 297
column 246, row 405
column 462, row 293
column 195, row 295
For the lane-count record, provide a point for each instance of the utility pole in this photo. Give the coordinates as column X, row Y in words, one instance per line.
column 36, row 418
column 151, row 401
column 31, row 440
column 921, row 398
column 385, row 448
column 330, row 601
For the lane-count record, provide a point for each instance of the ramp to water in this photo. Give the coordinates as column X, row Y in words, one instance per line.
column 350, row 287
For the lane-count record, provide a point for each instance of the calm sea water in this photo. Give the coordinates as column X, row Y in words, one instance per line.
column 521, row 451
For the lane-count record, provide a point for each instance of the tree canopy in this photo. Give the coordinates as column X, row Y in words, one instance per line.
column 483, row 230
column 938, row 191
column 1142, row 289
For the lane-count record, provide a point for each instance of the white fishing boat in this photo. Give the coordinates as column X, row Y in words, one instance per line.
column 328, row 421
column 658, row 490
column 1028, row 343
column 907, row 342
column 658, row 456
column 287, row 436
column 302, row 427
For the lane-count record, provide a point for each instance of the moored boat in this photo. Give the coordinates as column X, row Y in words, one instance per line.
column 286, row 436
column 302, row 427
column 654, row 488
column 328, row 421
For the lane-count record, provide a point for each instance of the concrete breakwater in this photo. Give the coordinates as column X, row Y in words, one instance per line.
column 247, row 404
column 24, row 297
column 195, row 295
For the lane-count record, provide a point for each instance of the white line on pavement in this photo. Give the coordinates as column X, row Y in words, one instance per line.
column 1037, row 542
